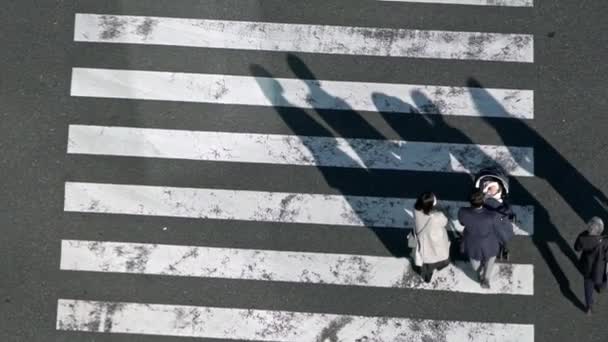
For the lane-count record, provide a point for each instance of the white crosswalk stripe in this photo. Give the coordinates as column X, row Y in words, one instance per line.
column 297, row 150
column 304, row 38
column 322, row 208
column 262, row 325
column 288, row 92
column 384, row 212
column 266, row 265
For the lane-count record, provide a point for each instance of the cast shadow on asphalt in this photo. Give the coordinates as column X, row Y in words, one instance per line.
column 297, row 118
column 546, row 232
column 584, row 198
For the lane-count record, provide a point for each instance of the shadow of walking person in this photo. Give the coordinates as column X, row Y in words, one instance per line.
column 584, row 198
column 460, row 160
column 330, row 123
column 550, row 165
column 541, row 237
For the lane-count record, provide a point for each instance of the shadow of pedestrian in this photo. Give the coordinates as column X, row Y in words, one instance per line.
column 548, row 232
column 330, row 123
column 585, row 199
column 347, row 122
column 431, row 126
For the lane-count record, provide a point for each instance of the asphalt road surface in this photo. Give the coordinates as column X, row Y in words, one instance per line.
column 245, row 170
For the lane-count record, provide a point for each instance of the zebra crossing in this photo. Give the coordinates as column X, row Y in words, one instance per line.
column 264, row 265
column 270, row 150
column 248, row 205
column 264, row 91
column 261, row 325
column 304, row 38
column 295, row 150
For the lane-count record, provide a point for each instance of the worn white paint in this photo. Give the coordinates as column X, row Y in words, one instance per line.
column 508, row 3
column 247, row 35
column 297, row 150
column 257, row 206
column 288, row 92
column 284, row 266
column 265, row 325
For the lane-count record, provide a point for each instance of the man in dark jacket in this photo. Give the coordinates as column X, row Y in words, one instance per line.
column 496, row 201
column 594, row 248
column 483, row 232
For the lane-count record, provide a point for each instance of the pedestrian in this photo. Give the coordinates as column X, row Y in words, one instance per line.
column 481, row 236
column 433, row 246
column 495, row 200
column 594, row 255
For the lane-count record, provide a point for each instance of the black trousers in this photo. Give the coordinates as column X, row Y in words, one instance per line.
column 590, row 286
column 426, row 270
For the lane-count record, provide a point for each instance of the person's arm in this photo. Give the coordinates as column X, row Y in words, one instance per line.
column 461, row 214
column 461, row 219
column 577, row 244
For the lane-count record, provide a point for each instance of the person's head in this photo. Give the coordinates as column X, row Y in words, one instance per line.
column 595, row 226
column 425, row 202
column 491, row 188
column 476, row 198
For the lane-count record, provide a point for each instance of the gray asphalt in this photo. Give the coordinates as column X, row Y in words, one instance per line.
column 38, row 52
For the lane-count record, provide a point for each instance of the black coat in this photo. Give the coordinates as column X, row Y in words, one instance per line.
column 505, row 228
column 480, row 236
column 593, row 257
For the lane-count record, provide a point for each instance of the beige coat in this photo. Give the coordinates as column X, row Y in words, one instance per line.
column 433, row 242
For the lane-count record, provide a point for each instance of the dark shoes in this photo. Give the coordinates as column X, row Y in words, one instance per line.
column 428, row 278
column 485, row 284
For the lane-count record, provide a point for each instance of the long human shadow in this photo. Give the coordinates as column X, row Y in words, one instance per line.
column 584, row 198
column 541, row 237
column 576, row 190
column 300, row 122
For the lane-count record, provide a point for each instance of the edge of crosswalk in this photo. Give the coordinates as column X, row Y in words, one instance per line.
column 326, row 39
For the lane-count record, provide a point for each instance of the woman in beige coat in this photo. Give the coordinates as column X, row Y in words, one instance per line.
column 433, row 247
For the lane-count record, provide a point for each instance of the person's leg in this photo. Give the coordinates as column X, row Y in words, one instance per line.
column 504, row 252
column 489, row 268
column 476, row 265
column 426, row 273
column 588, row 294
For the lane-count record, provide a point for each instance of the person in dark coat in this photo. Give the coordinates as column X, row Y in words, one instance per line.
column 496, row 200
column 481, row 236
column 594, row 255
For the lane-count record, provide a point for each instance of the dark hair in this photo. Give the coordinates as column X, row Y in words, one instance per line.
column 476, row 199
column 425, row 202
